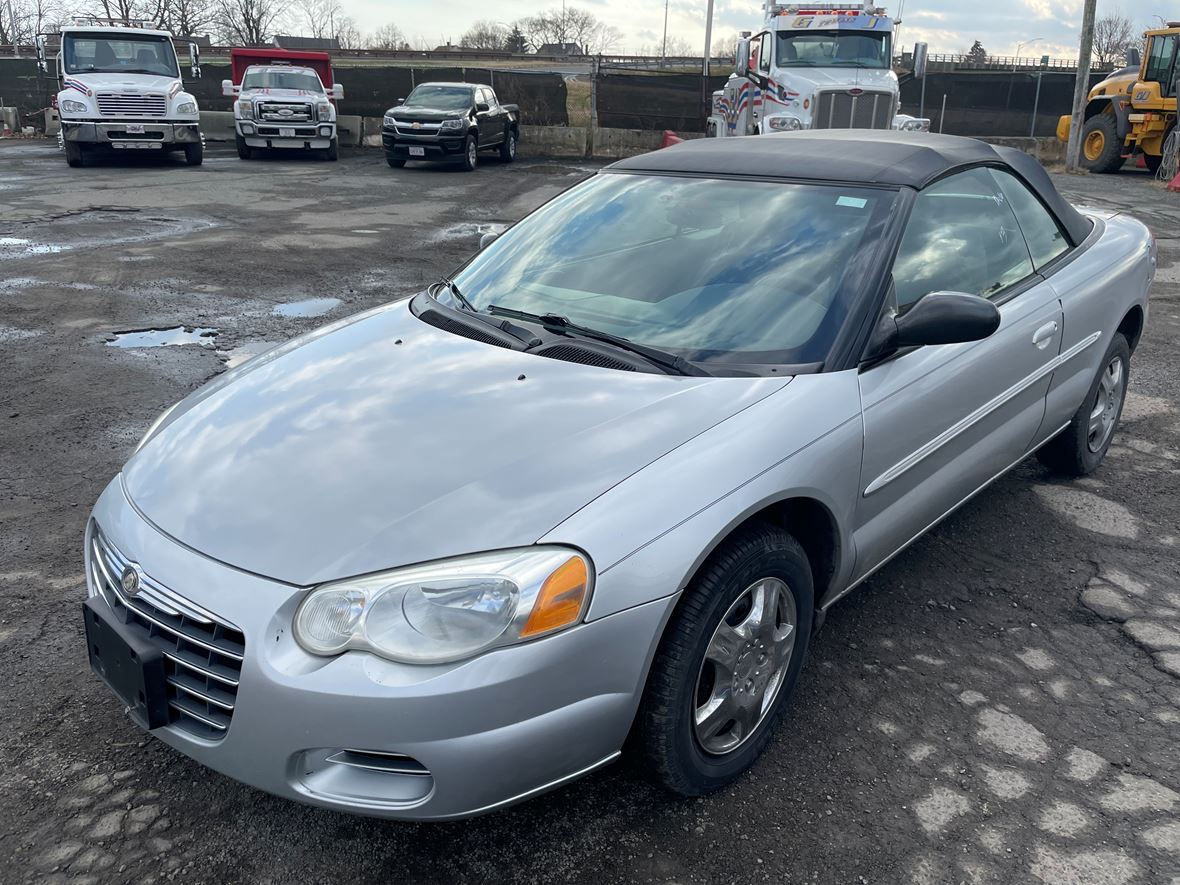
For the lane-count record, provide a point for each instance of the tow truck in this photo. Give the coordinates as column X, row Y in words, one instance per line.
column 815, row 66
column 120, row 88
column 284, row 99
column 1133, row 111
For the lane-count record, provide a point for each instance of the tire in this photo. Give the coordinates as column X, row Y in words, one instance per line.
column 1080, row 448
column 333, row 151
column 75, row 154
column 1154, row 161
column 395, row 162
column 245, row 152
column 194, row 154
column 693, row 761
column 508, row 146
column 1102, row 149
column 470, row 153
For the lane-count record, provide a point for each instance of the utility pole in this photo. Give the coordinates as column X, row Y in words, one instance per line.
column 664, row 45
column 708, row 38
column 1081, row 89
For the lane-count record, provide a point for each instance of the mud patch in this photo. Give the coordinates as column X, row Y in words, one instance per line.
column 83, row 230
column 177, row 336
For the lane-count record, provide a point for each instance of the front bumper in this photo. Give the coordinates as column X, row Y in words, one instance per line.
column 120, row 134
column 486, row 732
column 269, row 135
column 433, row 147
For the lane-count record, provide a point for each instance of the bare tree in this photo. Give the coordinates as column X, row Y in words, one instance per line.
column 188, row 17
column 124, row 11
column 1113, row 33
column 22, row 20
column 570, row 25
column 485, row 35
column 388, row 36
column 725, row 47
column 247, row 22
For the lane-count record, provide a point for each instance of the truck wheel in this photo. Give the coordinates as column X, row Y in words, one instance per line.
column 333, row 151
column 74, row 154
column 395, row 162
column 1102, row 149
column 194, row 154
column 470, row 154
column 244, row 151
column 508, row 147
column 1154, row 161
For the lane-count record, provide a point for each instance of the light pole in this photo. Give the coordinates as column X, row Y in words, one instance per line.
column 1015, row 62
column 664, row 45
column 708, row 38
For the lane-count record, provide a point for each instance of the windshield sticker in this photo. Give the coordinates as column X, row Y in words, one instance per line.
column 852, row 202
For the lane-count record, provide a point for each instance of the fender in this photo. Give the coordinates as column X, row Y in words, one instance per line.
column 1119, row 106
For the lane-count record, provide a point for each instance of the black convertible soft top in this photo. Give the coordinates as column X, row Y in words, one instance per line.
column 902, row 159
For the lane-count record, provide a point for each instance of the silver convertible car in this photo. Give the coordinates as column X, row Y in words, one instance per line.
column 601, row 484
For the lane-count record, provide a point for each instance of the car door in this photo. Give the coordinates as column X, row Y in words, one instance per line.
column 490, row 130
column 941, row 421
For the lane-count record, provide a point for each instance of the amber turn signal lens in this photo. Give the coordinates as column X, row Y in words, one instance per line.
column 560, row 601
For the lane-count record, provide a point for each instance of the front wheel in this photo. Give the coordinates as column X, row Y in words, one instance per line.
column 245, row 152
column 395, row 162
column 1102, row 149
column 194, row 154
column 1080, row 448
column 508, row 147
column 727, row 662
column 333, row 151
column 470, row 153
column 75, row 155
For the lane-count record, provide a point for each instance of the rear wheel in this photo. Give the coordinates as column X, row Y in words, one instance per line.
column 728, row 662
column 508, row 146
column 1080, row 448
column 194, row 154
column 75, row 155
column 470, row 153
column 395, row 162
column 244, row 150
column 1102, row 149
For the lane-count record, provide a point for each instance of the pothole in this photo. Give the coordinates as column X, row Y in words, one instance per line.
column 18, row 247
column 309, row 307
column 88, row 229
column 164, row 337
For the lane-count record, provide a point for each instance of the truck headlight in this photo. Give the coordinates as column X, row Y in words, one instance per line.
column 389, row 121
column 453, row 124
column 450, row 610
column 246, row 108
column 325, row 111
column 73, row 107
column 784, row 124
column 188, row 108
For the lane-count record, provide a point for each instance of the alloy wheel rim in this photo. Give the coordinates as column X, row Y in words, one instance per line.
column 1105, row 410
column 512, row 145
column 745, row 664
column 471, row 153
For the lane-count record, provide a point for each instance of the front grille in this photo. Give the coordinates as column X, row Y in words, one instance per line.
column 202, row 653
column 843, row 110
column 149, row 135
column 571, row 353
column 132, row 104
column 423, row 129
column 273, row 112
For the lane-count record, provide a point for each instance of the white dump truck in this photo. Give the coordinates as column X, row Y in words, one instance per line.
column 815, row 66
column 120, row 88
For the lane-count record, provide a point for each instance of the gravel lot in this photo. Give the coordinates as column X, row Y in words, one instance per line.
column 1000, row 704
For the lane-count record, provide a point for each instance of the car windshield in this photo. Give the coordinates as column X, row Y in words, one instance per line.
column 442, row 98
column 830, row 49
column 269, row 78
column 713, row 270
column 92, row 54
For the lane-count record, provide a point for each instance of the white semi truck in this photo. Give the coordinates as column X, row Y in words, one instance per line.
column 120, row 88
column 815, row 66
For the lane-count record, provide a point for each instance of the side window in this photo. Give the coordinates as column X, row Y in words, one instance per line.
column 764, row 54
column 962, row 236
column 1161, row 63
column 1043, row 234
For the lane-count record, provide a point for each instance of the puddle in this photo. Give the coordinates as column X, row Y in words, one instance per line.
column 242, row 353
column 18, row 247
column 164, row 337
column 470, row 229
column 365, row 230
column 309, row 307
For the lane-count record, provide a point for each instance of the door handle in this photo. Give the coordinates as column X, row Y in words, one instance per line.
column 1044, row 335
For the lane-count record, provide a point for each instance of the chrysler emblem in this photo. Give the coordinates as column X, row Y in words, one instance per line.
column 130, row 581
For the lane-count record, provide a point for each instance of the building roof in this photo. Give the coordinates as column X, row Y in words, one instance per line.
column 898, row 159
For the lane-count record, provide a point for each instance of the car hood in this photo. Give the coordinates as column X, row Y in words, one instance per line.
column 132, row 82
column 424, row 115
column 805, row 80
column 382, row 441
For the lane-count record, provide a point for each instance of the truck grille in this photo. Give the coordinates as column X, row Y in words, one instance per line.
column 202, row 653
column 132, row 104
column 277, row 112
column 843, row 110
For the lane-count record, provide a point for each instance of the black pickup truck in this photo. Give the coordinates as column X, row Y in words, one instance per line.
column 450, row 121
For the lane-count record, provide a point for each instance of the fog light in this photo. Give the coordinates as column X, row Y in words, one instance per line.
column 326, row 131
column 247, row 129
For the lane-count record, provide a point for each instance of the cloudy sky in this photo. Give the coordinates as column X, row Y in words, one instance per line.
column 947, row 25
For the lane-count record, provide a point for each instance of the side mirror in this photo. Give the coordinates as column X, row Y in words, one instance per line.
column 487, row 240
column 337, row 91
column 937, row 318
column 400, row 101
column 481, row 106
column 921, row 51
column 743, row 58
column 227, row 88
column 1134, row 59
column 194, row 57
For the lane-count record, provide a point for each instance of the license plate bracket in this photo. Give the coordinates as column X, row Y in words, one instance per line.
column 135, row 129
column 417, row 152
column 286, row 132
column 131, row 666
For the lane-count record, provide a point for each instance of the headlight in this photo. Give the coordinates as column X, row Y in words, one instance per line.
column 913, row 124
column 784, row 124
column 325, row 111
column 73, row 107
column 389, row 121
column 156, row 425
column 187, row 107
column 450, row 610
column 453, row 124
column 246, row 108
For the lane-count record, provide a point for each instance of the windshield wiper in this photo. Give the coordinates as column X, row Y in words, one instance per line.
column 668, row 361
column 524, row 336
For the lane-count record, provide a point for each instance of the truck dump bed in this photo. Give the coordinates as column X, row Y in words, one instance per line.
column 240, row 59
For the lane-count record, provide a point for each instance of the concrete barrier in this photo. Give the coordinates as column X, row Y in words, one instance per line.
column 1048, row 151
column 219, row 126
column 552, row 141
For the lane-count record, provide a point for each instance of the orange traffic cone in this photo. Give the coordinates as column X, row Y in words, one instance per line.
column 670, row 138
column 1174, row 185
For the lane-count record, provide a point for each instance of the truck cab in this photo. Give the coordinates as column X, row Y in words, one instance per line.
column 284, row 100
column 121, row 89
column 813, row 66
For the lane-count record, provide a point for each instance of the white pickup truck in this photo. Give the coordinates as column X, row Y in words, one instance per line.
column 120, row 89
